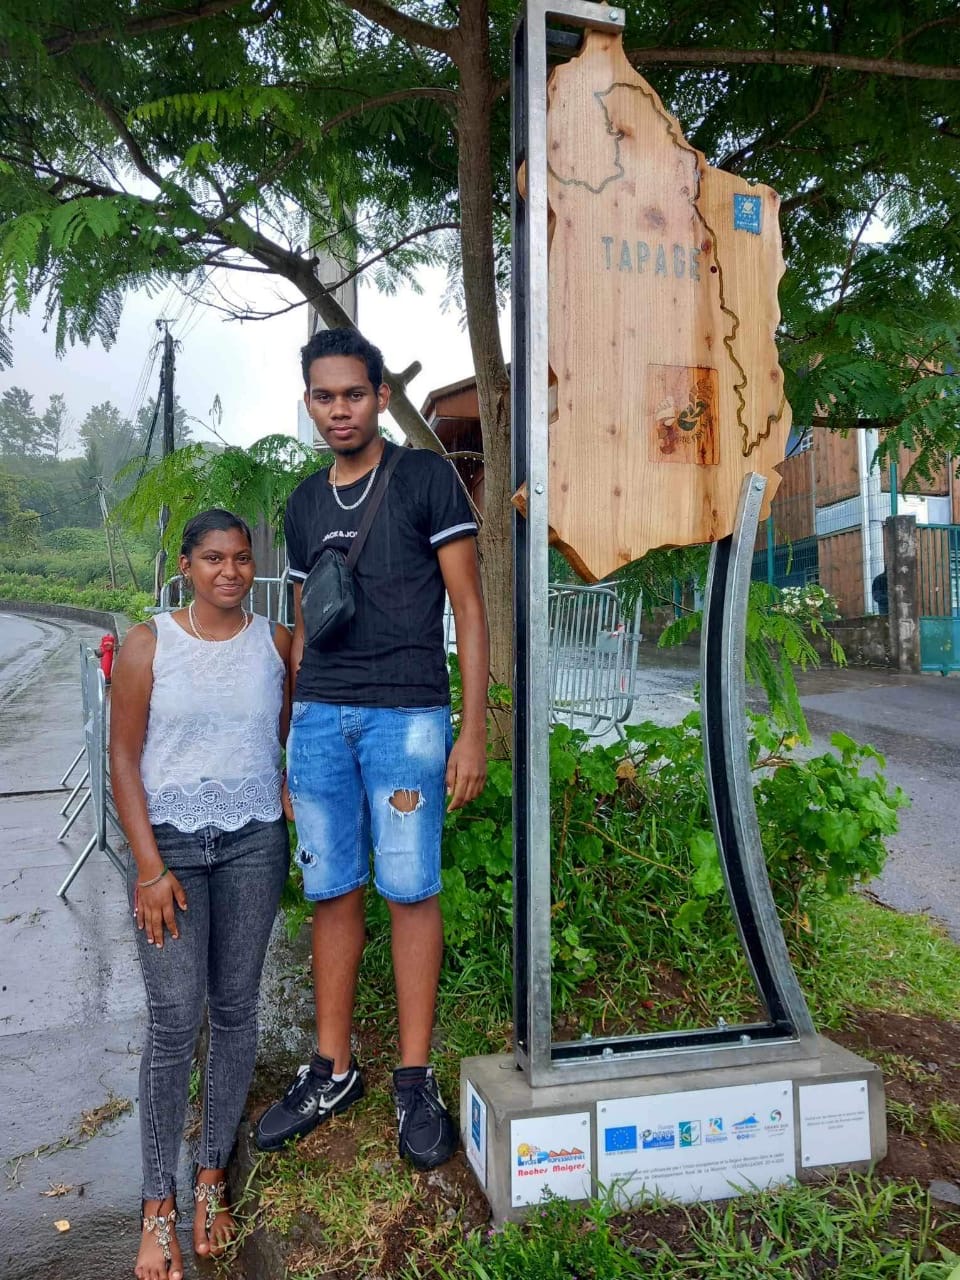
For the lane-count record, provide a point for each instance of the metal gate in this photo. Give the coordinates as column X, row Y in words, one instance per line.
column 938, row 589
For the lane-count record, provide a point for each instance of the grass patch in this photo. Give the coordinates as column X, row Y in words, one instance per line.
column 944, row 1121
column 850, row 1229
column 879, row 959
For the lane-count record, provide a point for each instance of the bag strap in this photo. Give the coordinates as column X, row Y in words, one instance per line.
column 373, row 506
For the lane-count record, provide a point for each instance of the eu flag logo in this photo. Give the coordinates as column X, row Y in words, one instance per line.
column 621, row 1137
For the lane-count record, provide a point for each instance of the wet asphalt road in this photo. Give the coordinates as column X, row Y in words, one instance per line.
column 914, row 721
column 71, row 1023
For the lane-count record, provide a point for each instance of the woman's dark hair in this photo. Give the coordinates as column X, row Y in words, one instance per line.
column 216, row 520
column 342, row 342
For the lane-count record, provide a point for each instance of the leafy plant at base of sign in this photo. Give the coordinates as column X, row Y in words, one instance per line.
column 635, row 871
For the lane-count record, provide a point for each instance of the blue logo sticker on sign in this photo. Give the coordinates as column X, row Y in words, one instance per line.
column 747, row 212
column 475, row 1121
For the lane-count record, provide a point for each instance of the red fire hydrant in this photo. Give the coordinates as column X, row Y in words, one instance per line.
column 105, row 653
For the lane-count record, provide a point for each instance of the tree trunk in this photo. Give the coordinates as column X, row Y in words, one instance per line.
column 475, row 102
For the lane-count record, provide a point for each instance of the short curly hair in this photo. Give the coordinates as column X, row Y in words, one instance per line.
column 342, row 342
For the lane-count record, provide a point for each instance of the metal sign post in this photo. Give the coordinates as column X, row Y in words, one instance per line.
column 556, row 1120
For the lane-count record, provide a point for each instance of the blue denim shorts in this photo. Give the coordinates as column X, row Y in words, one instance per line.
column 345, row 766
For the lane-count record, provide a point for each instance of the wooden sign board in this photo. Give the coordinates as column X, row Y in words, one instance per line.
column 663, row 305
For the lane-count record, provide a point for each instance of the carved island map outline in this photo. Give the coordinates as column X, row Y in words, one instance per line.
column 694, row 380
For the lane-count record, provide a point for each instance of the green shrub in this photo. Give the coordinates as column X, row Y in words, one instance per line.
column 635, row 870
column 41, row 590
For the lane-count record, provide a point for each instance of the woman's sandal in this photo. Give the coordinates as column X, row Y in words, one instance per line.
column 160, row 1225
column 213, row 1195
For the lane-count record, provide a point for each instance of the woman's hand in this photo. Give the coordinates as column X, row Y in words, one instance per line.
column 153, row 907
column 286, row 802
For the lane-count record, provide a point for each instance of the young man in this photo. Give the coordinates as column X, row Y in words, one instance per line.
column 370, row 762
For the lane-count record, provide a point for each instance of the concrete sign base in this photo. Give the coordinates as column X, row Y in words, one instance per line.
column 694, row 1135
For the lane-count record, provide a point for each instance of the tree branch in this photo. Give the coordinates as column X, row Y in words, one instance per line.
column 385, row 253
column 791, row 58
column 299, row 272
column 440, row 39
column 732, row 162
column 143, row 26
column 848, row 265
column 924, row 26
column 134, row 150
column 438, row 93
column 87, row 185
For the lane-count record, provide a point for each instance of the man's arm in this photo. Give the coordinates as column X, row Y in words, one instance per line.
column 467, row 766
column 296, row 644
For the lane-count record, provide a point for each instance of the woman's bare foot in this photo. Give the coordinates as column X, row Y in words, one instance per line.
column 159, row 1257
column 213, row 1224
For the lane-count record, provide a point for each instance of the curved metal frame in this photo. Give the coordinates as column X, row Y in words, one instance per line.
column 788, row 1031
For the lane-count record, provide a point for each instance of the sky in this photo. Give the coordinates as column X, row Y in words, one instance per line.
column 253, row 367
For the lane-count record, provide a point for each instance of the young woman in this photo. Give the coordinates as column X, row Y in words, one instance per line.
column 200, row 709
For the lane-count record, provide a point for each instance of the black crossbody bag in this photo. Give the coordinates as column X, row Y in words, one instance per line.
column 327, row 600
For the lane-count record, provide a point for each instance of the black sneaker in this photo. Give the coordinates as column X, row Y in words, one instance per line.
column 313, row 1097
column 427, row 1133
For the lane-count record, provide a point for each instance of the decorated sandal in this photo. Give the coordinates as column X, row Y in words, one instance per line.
column 160, row 1225
column 214, row 1196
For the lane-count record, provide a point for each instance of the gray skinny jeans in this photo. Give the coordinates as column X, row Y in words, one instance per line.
column 233, row 881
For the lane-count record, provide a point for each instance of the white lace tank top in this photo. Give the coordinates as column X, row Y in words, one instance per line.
column 212, row 752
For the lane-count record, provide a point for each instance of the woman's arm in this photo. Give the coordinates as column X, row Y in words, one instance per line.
column 130, row 689
column 282, row 641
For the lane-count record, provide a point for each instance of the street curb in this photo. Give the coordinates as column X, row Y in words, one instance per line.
column 117, row 623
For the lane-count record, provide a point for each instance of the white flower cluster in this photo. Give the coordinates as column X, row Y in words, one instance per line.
column 810, row 600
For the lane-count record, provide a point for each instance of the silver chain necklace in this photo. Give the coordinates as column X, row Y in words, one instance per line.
column 199, row 632
column 352, row 506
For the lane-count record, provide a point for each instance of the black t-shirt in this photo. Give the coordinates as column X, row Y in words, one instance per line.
column 391, row 654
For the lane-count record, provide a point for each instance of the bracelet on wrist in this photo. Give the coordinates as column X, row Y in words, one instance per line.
column 145, row 884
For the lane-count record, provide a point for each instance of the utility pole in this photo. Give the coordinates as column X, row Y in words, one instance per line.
column 168, row 444
column 107, row 528
column 168, row 363
column 102, row 497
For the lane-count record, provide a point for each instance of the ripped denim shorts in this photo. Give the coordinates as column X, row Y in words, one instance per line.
column 368, row 778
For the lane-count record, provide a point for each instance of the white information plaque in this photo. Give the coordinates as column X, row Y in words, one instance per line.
column 707, row 1144
column 834, row 1123
column 550, row 1153
column 475, row 1139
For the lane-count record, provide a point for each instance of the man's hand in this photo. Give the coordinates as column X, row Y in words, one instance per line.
column 154, row 907
column 466, row 770
column 286, row 802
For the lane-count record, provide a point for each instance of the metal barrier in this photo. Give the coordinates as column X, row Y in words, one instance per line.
column 269, row 596
column 94, row 787
column 594, row 649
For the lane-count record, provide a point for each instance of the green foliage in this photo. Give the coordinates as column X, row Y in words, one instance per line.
column 634, row 867
column 19, row 526
column 53, row 488
column 826, row 819
column 24, row 431
column 71, row 557
column 775, row 644
column 254, row 483
column 30, row 587
column 247, row 139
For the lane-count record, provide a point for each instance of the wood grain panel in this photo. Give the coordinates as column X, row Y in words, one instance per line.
column 663, row 306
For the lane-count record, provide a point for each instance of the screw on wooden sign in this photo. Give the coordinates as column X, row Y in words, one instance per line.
column 665, row 384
